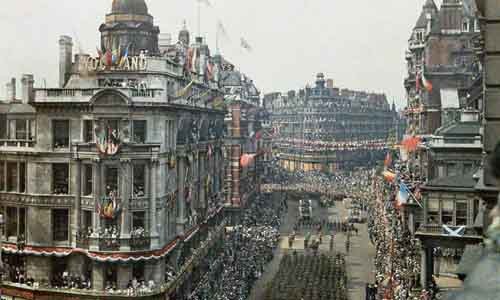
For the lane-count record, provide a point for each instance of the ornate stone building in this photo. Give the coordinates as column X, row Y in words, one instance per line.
column 115, row 177
column 326, row 128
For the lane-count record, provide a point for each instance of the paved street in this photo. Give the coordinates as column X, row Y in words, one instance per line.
column 359, row 259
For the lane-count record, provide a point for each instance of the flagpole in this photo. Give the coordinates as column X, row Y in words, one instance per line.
column 199, row 18
column 217, row 39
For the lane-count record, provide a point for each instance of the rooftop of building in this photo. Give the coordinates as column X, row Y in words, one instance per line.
column 129, row 7
column 462, row 129
column 465, row 181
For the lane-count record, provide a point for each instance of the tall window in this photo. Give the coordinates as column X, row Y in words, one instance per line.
column 2, row 175
column 88, row 131
column 21, row 130
column 12, row 176
column 139, row 181
column 22, row 177
column 87, row 180
column 87, row 219
column 461, row 212
column 138, row 219
column 140, row 131
column 3, row 126
column 60, row 132
column 169, row 134
column 447, row 212
column 60, row 221
column 60, row 179
column 11, row 222
column 111, row 180
column 433, row 212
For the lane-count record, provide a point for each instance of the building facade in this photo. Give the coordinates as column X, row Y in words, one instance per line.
column 325, row 128
column 115, row 177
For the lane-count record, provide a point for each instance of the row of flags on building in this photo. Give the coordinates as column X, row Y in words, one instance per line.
column 114, row 57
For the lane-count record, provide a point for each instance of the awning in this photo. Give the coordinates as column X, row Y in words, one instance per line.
column 97, row 256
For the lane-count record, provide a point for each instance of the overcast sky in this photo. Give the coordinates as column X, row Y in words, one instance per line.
column 358, row 43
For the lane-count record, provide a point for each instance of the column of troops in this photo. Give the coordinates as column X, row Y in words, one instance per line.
column 320, row 277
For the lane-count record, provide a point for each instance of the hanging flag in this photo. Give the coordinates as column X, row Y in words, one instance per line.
column 206, row 2
column 108, row 58
column 403, row 194
column 194, row 67
column 115, row 56
column 99, row 52
column 389, row 176
column 427, row 83
column 245, row 45
column 411, row 144
column 189, row 59
column 210, row 71
column 124, row 56
column 388, row 160
column 246, row 160
column 184, row 91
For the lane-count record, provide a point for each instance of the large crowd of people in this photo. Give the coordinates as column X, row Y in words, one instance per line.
column 249, row 248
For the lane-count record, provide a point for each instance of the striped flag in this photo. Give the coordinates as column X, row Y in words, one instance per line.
column 427, row 83
column 403, row 194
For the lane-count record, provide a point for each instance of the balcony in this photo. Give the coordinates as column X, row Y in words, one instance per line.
column 109, row 244
column 439, row 230
column 84, row 95
column 17, row 143
column 140, row 243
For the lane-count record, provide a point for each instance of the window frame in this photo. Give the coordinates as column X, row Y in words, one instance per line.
column 57, row 228
column 144, row 138
column 88, row 180
column 68, row 187
column 55, row 129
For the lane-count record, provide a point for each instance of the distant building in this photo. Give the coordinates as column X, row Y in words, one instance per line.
column 325, row 128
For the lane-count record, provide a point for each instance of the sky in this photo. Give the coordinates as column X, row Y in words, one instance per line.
column 359, row 44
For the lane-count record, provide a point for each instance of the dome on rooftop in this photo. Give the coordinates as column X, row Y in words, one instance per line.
column 129, row 7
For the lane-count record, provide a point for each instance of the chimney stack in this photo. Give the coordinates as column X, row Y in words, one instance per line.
column 10, row 89
column 65, row 59
column 27, row 88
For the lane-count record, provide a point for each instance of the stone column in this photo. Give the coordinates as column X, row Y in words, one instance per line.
column 423, row 267
column 125, row 195
column 124, row 275
column 78, row 202
column 181, row 202
column 235, row 171
column 97, row 187
column 153, row 225
column 98, row 276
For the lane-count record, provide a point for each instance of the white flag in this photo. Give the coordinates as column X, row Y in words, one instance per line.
column 221, row 30
column 206, row 2
column 245, row 45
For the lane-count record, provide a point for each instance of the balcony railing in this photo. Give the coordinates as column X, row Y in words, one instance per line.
column 440, row 230
column 140, row 243
column 109, row 244
column 17, row 143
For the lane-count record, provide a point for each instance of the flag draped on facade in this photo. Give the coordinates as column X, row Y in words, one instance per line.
column 427, row 83
column 403, row 194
